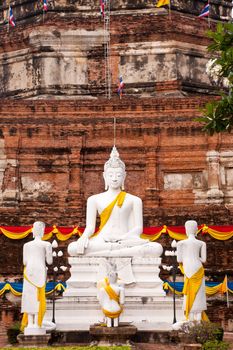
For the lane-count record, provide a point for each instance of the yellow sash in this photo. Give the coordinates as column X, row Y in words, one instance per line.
column 106, row 213
column 112, row 295
column 112, row 314
column 191, row 288
column 42, row 305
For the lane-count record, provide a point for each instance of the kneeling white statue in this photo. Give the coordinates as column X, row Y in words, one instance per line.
column 121, row 220
column 111, row 297
column 191, row 253
column 35, row 256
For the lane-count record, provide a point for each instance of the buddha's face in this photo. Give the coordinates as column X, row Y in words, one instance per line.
column 114, row 177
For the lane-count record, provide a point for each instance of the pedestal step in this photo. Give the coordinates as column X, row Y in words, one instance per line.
column 33, row 340
column 145, row 346
column 144, row 313
column 112, row 336
column 141, row 340
column 146, row 304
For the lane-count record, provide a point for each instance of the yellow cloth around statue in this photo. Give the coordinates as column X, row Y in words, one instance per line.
column 191, row 288
column 114, row 296
column 42, row 305
column 106, row 213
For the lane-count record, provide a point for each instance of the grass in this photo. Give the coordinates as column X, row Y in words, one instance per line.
column 74, row 348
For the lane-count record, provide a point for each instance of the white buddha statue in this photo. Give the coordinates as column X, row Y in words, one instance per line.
column 121, row 220
column 191, row 253
column 35, row 256
column 111, row 297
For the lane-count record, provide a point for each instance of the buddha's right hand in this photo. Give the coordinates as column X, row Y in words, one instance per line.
column 82, row 244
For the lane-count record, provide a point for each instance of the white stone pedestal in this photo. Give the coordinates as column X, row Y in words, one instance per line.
column 34, row 331
column 146, row 304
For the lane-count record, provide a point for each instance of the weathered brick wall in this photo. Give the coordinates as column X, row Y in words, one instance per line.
column 31, row 9
column 9, row 314
column 52, row 152
column 52, row 158
column 62, row 53
column 52, row 155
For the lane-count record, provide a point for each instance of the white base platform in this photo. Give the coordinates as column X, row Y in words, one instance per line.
column 78, row 313
column 146, row 305
column 34, row 331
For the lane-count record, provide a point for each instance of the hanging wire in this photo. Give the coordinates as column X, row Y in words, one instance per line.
column 107, row 49
column 8, row 17
column 114, row 131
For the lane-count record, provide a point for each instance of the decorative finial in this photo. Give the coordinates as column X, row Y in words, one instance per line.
column 114, row 153
column 114, row 160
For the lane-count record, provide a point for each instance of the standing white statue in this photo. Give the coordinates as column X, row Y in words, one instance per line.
column 35, row 256
column 111, row 297
column 191, row 253
column 121, row 220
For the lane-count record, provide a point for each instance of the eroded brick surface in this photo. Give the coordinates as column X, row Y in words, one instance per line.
column 52, row 150
column 62, row 53
column 53, row 156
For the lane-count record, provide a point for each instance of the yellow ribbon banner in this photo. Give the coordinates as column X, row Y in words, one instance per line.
column 62, row 234
column 221, row 233
column 16, row 288
column 211, row 288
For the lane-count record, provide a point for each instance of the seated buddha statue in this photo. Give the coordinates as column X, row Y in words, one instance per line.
column 121, row 220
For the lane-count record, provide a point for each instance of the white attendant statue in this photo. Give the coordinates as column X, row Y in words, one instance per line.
column 111, row 297
column 191, row 253
column 35, row 256
column 121, row 221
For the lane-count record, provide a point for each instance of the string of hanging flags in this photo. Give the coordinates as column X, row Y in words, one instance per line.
column 10, row 20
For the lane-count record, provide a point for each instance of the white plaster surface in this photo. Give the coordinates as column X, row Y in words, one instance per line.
column 33, row 188
column 146, row 304
column 179, row 181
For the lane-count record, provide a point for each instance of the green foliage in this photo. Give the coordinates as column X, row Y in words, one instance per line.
column 218, row 115
column 215, row 345
column 12, row 333
column 201, row 332
column 223, row 45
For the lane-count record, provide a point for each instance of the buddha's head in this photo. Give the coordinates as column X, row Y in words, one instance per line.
column 38, row 229
column 114, row 171
column 191, row 228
